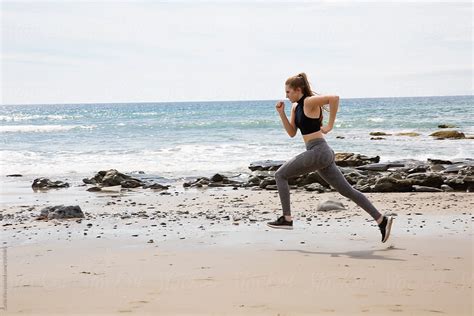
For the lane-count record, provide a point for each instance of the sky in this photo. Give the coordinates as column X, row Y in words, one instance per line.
column 118, row 51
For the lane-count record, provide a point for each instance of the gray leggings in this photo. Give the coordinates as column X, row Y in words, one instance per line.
column 319, row 157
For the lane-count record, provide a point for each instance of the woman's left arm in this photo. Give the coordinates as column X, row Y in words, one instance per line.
column 333, row 101
column 333, row 106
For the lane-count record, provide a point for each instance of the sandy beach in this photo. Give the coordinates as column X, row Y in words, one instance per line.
column 208, row 251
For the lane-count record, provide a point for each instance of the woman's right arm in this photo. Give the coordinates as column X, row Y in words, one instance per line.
column 290, row 126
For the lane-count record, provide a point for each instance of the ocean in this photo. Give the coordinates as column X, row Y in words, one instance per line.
column 174, row 140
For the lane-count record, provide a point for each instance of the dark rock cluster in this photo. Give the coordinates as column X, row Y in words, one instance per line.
column 112, row 177
column 45, row 183
column 365, row 174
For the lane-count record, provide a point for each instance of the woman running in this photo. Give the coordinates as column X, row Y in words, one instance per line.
column 307, row 115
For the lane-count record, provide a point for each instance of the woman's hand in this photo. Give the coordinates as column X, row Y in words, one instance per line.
column 326, row 129
column 280, row 107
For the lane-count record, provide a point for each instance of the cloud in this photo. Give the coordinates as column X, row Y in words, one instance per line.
column 109, row 51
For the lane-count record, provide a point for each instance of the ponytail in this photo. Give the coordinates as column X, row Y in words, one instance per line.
column 301, row 81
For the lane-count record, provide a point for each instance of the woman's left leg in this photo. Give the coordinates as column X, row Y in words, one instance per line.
column 332, row 175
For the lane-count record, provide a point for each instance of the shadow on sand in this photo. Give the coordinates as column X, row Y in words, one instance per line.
column 356, row 254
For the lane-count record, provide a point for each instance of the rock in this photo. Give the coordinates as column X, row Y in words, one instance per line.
column 266, row 165
column 455, row 168
column 391, row 184
column 218, row 184
column 131, row 183
column 254, row 180
column 199, row 182
column 411, row 134
column 264, row 173
column 354, row 176
column 311, row 177
column 379, row 134
column 203, row 181
column 436, row 168
column 353, row 160
column 379, row 166
column 467, row 170
column 94, row 189
column 45, row 183
column 236, row 217
column 14, row 175
column 267, row 181
column 340, row 137
column 156, row 186
column 446, row 126
column 330, row 205
column 112, row 177
column 272, row 187
column 315, row 187
column 217, row 178
column 448, row 134
column 363, row 188
column 459, row 182
column 426, row 179
column 446, row 188
column 439, row 161
column 61, row 212
column 420, row 188
column 417, row 169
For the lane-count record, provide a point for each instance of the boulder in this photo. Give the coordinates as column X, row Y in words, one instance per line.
column 61, row 212
column 217, row 178
column 391, row 184
column 330, row 205
column 448, row 134
column 45, row 183
column 353, row 160
column 112, row 177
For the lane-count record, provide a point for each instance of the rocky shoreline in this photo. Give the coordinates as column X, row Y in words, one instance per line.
column 365, row 173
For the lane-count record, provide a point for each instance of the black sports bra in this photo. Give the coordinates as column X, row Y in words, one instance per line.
column 307, row 125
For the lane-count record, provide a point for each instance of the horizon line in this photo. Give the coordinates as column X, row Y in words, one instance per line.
column 208, row 101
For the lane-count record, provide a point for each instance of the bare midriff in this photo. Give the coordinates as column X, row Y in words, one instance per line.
column 311, row 136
